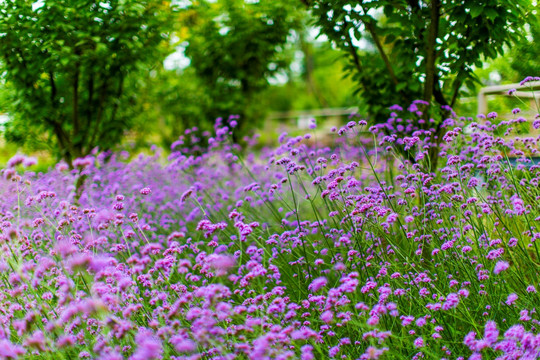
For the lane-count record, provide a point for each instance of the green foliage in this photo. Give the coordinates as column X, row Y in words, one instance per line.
column 419, row 49
column 69, row 63
column 524, row 56
column 520, row 60
column 320, row 82
column 234, row 47
column 175, row 100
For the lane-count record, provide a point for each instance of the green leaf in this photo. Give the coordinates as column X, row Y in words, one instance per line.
column 390, row 39
column 476, row 10
column 401, row 86
column 491, row 13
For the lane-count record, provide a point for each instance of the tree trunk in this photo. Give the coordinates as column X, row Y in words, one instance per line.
column 431, row 52
column 307, row 49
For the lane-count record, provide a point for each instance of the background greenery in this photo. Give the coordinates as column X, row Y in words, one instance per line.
column 129, row 73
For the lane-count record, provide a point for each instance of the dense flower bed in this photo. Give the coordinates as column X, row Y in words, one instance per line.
column 298, row 252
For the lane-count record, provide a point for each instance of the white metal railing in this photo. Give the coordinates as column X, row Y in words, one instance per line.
column 328, row 112
column 503, row 90
column 304, row 117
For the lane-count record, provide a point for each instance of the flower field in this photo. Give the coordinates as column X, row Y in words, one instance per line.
column 354, row 251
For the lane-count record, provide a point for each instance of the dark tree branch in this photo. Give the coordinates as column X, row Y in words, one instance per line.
column 76, row 125
column 438, row 94
column 99, row 116
column 413, row 5
column 117, row 100
column 372, row 31
column 371, row 28
column 457, row 85
column 64, row 142
column 354, row 53
column 431, row 55
column 90, row 102
column 53, row 89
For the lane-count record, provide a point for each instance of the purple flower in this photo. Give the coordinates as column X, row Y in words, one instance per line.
column 187, row 194
column 511, row 299
column 500, row 267
column 9, row 350
column 307, row 353
column 221, row 263
column 148, row 346
column 491, row 333
column 419, row 342
column 183, row 345
column 317, row 284
column 145, row 191
column 36, row 341
column 327, row 316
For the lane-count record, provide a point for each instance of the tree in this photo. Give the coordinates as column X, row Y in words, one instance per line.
column 316, row 80
column 175, row 100
column 421, row 49
column 234, row 47
column 519, row 61
column 525, row 55
column 69, row 63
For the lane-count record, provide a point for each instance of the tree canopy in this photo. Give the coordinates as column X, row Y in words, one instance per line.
column 234, row 47
column 419, row 49
column 68, row 63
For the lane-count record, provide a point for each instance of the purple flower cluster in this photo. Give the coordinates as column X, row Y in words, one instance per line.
column 353, row 251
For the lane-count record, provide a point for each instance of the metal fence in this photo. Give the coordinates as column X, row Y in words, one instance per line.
column 521, row 91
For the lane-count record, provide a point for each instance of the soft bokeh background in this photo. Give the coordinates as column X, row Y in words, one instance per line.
column 132, row 74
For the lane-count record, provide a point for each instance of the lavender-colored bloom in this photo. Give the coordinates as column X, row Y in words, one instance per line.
column 9, row 350
column 327, row 316
column 16, row 160
column 183, row 345
column 148, row 346
column 500, row 267
column 145, row 191
column 187, row 194
column 491, row 333
column 317, row 284
column 512, row 298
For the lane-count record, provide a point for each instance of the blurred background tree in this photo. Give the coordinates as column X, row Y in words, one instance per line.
column 235, row 47
column 316, row 79
column 525, row 56
column 80, row 74
column 519, row 61
column 170, row 101
column 419, row 49
column 71, row 67
column 244, row 58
